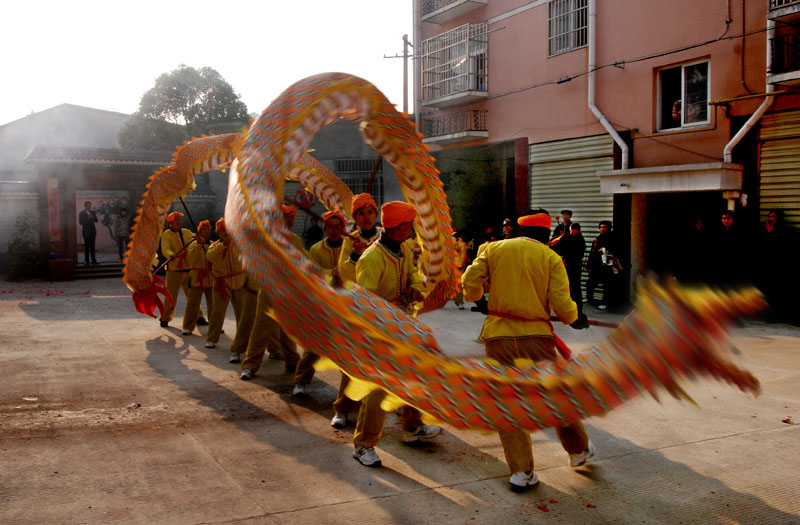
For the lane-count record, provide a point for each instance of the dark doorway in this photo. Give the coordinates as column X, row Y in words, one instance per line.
column 673, row 244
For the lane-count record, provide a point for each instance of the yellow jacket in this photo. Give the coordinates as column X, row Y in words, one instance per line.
column 325, row 256
column 387, row 275
column 482, row 248
column 347, row 268
column 461, row 254
column 171, row 244
column 200, row 269
column 226, row 266
column 298, row 244
column 527, row 280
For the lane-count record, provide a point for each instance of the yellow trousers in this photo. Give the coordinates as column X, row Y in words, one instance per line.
column 267, row 334
column 343, row 403
column 244, row 323
column 176, row 281
column 305, row 373
column 369, row 426
column 517, row 445
column 219, row 308
column 305, row 368
column 193, row 299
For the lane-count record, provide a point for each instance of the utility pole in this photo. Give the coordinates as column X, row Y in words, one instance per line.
column 404, row 56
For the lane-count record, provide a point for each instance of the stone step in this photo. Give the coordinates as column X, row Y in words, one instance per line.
column 98, row 271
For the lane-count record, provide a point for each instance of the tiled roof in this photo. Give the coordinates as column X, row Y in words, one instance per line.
column 41, row 154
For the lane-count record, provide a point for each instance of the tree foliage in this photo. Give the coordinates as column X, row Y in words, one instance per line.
column 183, row 103
column 22, row 258
column 151, row 134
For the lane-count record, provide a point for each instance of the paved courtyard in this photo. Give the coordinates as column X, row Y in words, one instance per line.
column 107, row 418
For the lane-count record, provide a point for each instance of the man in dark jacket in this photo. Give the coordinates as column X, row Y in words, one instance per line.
column 775, row 276
column 563, row 226
column 87, row 219
column 600, row 264
column 572, row 248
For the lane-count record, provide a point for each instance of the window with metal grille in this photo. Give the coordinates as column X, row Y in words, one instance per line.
column 568, row 25
column 683, row 96
column 455, row 61
column 356, row 174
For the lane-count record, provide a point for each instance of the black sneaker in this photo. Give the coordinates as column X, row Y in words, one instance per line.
column 201, row 321
column 164, row 324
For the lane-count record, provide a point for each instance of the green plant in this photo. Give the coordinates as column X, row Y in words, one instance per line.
column 109, row 210
column 23, row 258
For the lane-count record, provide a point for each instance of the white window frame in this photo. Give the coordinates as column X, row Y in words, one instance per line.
column 683, row 123
column 572, row 36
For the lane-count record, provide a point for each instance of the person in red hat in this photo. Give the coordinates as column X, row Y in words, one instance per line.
column 230, row 283
column 528, row 280
column 326, row 254
column 387, row 269
column 365, row 215
column 259, row 332
column 172, row 243
column 200, row 281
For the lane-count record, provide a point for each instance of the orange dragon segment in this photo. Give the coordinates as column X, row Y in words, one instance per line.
column 673, row 334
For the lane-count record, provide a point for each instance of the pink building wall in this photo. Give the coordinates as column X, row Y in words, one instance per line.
column 626, row 30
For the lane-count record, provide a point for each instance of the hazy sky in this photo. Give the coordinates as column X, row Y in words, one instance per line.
column 107, row 54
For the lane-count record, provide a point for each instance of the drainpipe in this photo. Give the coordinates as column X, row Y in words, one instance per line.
column 727, row 154
column 603, row 120
column 417, row 61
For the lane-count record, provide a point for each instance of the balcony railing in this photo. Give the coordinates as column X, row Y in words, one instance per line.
column 454, row 66
column 442, row 11
column 464, row 125
column 777, row 4
column 785, row 53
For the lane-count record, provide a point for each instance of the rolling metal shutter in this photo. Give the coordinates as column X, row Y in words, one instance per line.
column 779, row 181
column 564, row 176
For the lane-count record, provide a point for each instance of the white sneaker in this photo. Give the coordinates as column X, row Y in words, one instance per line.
column 186, row 332
column 367, row 456
column 339, row 420
column 522, row 481
column 422, row 433
column 299, row 390
column 210, row 345
column 247, row 375
column 234, row 358
column 580, row 459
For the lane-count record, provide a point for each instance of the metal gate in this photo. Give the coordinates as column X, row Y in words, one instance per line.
column 779, row 181
column 564, row 176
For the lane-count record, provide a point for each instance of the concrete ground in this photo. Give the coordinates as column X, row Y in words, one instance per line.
column 106, row 417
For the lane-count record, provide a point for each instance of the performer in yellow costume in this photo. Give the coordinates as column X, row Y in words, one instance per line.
column 461, row 263
column 172, row 242
column 365, row 215
column 387, row 269
column 200, row 278
column 229, row 282
column 326, row 254
column 265, row 334
column 527, row 280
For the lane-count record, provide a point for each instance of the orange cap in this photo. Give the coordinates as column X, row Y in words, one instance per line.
column 203, row 223
column 289, row 210
column 396, row 213
column 174, row 215
column 361, row 200
column 541, row 220
column 328, row 215
column 220, row 224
